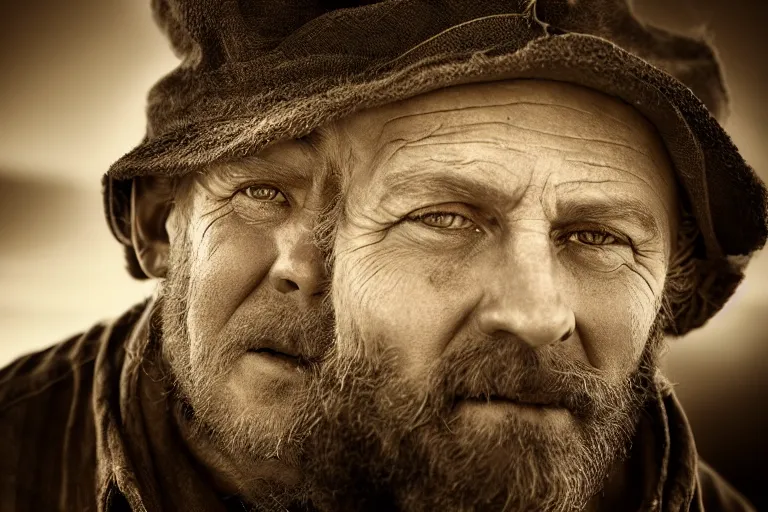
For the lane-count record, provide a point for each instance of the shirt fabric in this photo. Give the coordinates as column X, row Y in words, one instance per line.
column 86, row 425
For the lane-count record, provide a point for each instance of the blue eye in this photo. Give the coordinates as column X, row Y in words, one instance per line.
column 264, row 193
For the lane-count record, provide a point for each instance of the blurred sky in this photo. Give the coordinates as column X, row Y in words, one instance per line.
column 72, row 91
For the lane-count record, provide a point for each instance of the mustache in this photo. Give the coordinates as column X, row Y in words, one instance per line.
column 283, row 327
column 505, row 368
column 305, row 332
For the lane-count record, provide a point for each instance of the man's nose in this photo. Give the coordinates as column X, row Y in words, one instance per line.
column 522, row 296
column 299, row 267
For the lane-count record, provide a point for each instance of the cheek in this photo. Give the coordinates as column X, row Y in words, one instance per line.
column 229, row 260
column 614, row 314
column 407, row 301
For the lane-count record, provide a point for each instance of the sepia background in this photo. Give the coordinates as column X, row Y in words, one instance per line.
column 73, row 80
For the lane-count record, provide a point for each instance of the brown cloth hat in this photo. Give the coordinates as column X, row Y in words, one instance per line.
column 255, row 72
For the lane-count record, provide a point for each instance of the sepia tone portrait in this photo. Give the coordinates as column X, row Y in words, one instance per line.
column 400, row 255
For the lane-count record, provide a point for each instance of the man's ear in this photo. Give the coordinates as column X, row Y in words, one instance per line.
column 151, row 203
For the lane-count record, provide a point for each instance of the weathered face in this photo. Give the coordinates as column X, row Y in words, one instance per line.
column 243, row 306
column 503, row 254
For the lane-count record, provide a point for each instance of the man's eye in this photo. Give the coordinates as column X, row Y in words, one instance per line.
column 592, row 237
column 445, row 220
column 264, row 193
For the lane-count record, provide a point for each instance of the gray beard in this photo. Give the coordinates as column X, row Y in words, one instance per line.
column 377, row 444
column 205, row 417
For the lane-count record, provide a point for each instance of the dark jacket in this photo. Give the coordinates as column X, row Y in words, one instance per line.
column 84, row 426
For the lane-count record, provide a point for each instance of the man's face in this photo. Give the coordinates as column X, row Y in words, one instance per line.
column 498, row 272
column 243, row 308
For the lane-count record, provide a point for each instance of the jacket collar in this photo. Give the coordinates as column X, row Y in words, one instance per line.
column 143, row 461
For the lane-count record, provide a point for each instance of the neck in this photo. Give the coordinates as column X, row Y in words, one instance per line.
column 251, row 480
column 631, row 480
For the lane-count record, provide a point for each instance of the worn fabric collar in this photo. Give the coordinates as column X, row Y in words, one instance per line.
column 143, row 462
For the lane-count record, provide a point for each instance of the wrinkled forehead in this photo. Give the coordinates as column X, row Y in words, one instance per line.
column 531, row 116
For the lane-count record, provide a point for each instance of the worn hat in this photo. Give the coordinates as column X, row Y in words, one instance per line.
column 255, row 72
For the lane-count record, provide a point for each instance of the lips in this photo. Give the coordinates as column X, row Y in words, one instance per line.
column 280, row 351
column 293, row 360
column 523, row 400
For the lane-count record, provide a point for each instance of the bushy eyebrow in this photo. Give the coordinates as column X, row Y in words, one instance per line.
column 254, row 167
column 429, row 183
column 608, row 209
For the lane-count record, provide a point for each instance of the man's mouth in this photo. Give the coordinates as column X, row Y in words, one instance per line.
column 284, row 355
column 535, row 408
column 519, row 400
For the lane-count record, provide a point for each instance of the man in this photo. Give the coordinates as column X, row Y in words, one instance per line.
column 192, row 401
column 510, row 256
column 499, row 289
column 185, row 401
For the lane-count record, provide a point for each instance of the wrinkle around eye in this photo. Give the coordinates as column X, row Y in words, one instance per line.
column 209, row 224
column 254, row 211
column 644, row 278
column 646, row 261
column 215, row 210
column 217, row 183
column 630, row 263
column 359, row 222
column 597, row 258
column 361, row 240
column 374, row 262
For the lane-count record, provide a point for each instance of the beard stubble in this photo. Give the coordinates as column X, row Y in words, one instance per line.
column 197, row 377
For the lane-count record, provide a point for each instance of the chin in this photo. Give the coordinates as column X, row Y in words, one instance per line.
column 246, row 417
column 271, row 404
column 259, row 384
